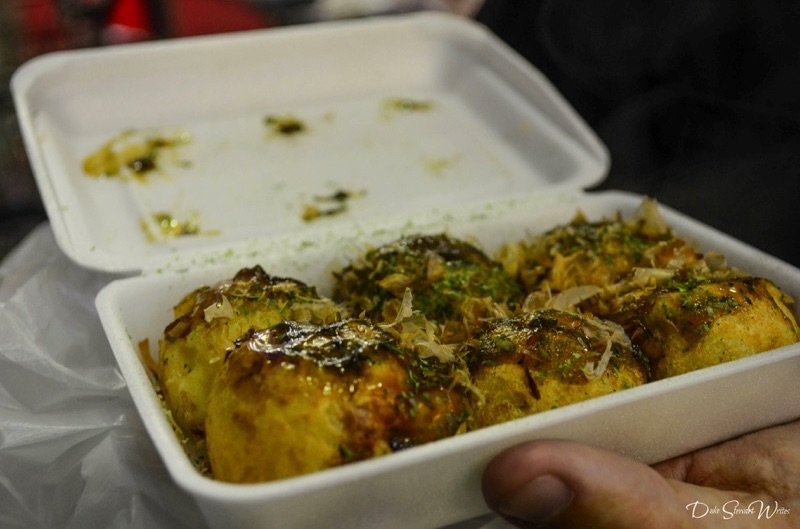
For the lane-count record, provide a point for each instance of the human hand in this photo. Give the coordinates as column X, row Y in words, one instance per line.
column 751, row 481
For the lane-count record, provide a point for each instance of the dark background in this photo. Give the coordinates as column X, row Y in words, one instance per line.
column 698, row 101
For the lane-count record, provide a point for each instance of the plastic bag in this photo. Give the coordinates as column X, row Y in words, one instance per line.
column 73, row 450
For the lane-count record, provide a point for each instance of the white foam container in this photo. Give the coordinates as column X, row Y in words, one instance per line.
column 499, row 155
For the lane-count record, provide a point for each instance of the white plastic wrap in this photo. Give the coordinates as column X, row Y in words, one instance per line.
column 73, row 450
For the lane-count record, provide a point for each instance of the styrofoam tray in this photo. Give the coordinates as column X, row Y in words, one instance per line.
column 498, row 155
column 439, row 483
column 494, row 128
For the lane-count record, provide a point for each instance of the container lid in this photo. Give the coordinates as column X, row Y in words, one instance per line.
column 147, row 151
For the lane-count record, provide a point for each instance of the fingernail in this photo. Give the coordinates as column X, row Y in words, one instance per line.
column 537, row 501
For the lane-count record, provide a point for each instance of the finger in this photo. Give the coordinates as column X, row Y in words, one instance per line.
column 569, row 485
column 766, row 462
column 573, row 485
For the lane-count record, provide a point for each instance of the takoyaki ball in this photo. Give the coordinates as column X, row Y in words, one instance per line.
column 209, row 319
column 297, row 397
column 451, row 281
column 547, row 359
column 703, row 323
column 596, row 253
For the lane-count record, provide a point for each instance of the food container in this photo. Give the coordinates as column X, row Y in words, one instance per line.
column 424, row 123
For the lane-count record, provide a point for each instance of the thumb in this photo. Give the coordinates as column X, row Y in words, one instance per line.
column 562, row 484
column 566, row 484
